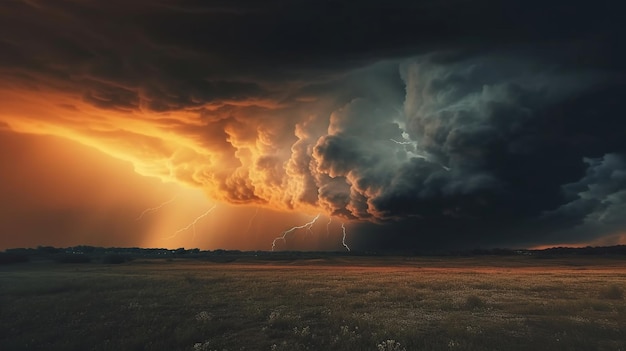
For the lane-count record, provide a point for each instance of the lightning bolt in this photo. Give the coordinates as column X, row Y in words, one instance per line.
column 343, row 239
column 252, row 219
column 192, row 224
column 402, row 142
column 330, row 219
column 306, row 226
column 152, row 209
column 414, row 154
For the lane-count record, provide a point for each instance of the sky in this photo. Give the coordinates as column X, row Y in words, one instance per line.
column 411, row 125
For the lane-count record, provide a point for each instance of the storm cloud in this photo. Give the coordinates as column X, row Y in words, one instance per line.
column 478, row 122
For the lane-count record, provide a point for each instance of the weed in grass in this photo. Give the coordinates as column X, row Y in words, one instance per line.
column 205, row 346
column 390, row 345
column 282, row 346
column 304, row 332
column 203, row 316
column 347, row 334
column 452, row 344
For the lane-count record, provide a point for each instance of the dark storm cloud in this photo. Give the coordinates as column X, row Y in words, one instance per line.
column 108, row 50
column 106, row 96
column 474, row 121
column 479, row 118
column 486, row 145
column 597, row 202
column 174, row 54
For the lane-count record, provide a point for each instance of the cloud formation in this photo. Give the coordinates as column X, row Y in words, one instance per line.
column 500, row 119
column 597, row 201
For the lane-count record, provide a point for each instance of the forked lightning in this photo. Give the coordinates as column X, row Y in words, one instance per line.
column 152, row 209
column 343, row 239
column 306, row 226
column 192, row 224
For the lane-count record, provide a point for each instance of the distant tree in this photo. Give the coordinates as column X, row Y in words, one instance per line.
column 46, row 250
column 86, row 249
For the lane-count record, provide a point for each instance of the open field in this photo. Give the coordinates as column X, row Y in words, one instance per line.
column 339, row 303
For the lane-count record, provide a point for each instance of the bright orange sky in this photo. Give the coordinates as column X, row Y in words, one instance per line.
column 95, row 170
column 63, row 193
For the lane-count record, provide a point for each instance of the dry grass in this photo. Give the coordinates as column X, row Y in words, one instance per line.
column 342, row 304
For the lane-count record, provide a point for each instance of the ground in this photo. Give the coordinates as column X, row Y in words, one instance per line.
column 334, row 303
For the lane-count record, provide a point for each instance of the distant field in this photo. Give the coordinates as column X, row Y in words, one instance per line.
column 339, row 303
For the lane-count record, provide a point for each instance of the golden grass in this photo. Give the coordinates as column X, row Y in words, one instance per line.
column 354, row 303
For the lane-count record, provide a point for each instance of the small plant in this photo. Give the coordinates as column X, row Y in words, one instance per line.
column 204, row 346
column 390, row 345
column 612, row 292
column 280, row 347
column 348, row 335
column 273, row 317
column 304, row 332
column 201, row 346
column 133, row 305
column 203, row 316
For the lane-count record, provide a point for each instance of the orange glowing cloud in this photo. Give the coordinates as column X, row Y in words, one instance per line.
column 58, row 192
column 226, row 157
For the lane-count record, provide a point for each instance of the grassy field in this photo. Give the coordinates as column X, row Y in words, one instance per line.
column 351, row 303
